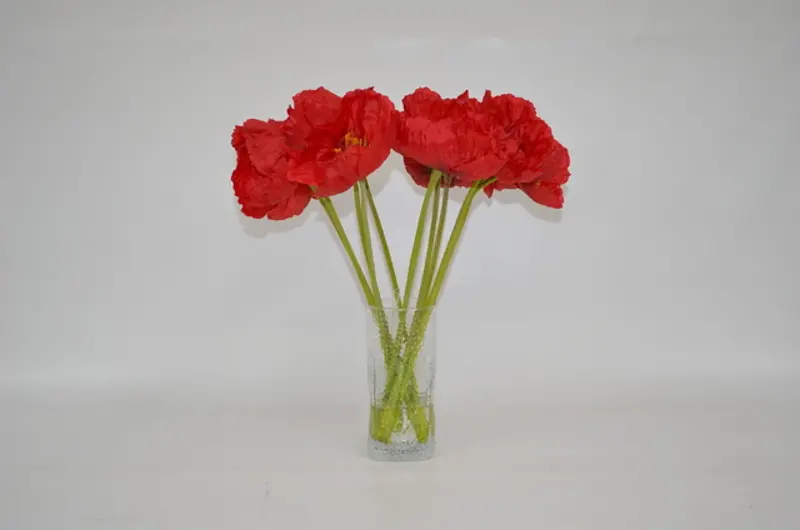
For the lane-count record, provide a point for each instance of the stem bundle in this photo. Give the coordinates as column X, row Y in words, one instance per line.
column 401, row 350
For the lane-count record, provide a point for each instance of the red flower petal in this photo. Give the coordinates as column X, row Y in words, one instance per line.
column 450, row 135
column 369, row 115
column 333, row 187
column 555, row 167
column 420, row 174
column 507, row 110
column 344, row 147
column 259, row 178
column 264, row 143
column 305, row 172
column 256, row 193
column 292, row 206
column 424, row 102
column 370, row 119
column 544, row 193
column 431, row 143
column 538, row 164
column 313, row 109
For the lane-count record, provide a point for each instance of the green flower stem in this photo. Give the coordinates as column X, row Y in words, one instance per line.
column 378, row 313
column 384, row 244
column 412, row 266
column 390, row 352
column 416, row 413
column 386, row 343
column 412, row 393
column 387, row 420
column 422, row 317
column 330, row 210
column 381, row 323
column 427, row 271
column 455, row 236
column 452, row 243
column 440, row 228
column 413, row 390
column 366, row 242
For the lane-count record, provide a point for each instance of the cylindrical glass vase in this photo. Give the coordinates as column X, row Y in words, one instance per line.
column 401, row 348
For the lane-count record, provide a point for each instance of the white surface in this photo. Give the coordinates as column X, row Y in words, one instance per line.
column 641, row 346
column 679, row 455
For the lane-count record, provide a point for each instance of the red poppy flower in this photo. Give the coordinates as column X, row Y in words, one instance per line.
column 335, row 141
column 452, row 135
column 259, row 179
column 540, row 164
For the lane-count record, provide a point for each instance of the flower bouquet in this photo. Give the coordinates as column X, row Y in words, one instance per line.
column 328, row 145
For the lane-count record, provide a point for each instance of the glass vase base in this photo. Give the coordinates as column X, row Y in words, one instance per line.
column 400, row 452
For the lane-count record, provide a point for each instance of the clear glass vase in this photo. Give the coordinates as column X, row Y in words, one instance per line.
column 401, row 346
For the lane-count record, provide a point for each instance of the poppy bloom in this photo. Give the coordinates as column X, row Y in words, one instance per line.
column 336, row 142
column 451, row 135
column 259, row 179
column 539, row 165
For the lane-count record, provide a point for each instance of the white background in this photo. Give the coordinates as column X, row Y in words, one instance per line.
column 629, row 362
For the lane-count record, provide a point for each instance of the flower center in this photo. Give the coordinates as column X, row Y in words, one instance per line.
column 350, row 140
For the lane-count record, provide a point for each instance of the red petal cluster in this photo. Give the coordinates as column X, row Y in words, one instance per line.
column 338, row 141
column 326, row 145
column 259, row 180
column 539, row 165
column 470, row 140
column 452, row 135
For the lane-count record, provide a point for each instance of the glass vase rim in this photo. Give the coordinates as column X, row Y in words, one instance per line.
column 387, row 303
